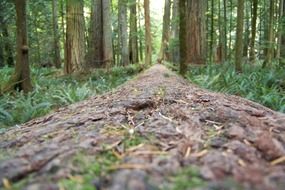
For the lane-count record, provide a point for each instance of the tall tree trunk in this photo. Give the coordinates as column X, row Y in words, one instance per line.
column 21, row 78
column 63, row 35
column 100, row 53
column 282, row 45
column 133, row 42
column 270, row 36
column 148, row 48
column 123, row 32
column 280, row 30
column 182, row 37
column 212, row 32
column 164, row 53
column 246, row 31
column 175, row 32
column 95, row 53
column 230, row 29
column 225, row 38
column 239, row 36
column 221, row 48
column 75, row 37
column 253, row 29
column 56, row 35
column 140, row 28
column 196, row 32
column 107, row 31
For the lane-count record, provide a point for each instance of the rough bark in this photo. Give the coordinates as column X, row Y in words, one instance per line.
column 123, row 32
column 182, row 37
column 107, row 31
column 239, row 36
column 196, row 53
column 133, row 39
column 175, row 33
column 56, row 35
column 270, row 36
column 175, row 126
column 148, row 45
column 75, row 37
column 253, row 30
column 164, row 49
column 21, row 80
column 282, row 45
column 100, row 52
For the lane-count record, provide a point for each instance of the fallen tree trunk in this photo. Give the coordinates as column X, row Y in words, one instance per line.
column 175, row 125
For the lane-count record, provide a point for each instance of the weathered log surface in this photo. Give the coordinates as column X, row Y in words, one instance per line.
column 224, row 136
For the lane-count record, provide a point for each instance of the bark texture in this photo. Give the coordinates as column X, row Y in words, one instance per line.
column 75, row 37
column 21, row 80
column 239, row 36
column 148, row 45
column 123, row 32
column 164, row 49
column 133, row 42
column 56, row 34
column 154, row 127
column 196, row 10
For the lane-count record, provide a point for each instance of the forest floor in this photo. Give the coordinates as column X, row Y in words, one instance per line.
column 157, row 131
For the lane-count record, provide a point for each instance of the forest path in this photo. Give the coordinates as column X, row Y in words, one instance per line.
column 141, row 134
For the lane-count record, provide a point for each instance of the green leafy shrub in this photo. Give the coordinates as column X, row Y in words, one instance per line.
column 265, row 86
column 51, row 92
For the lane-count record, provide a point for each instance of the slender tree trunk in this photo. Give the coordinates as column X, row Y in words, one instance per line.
column 56, row 46
column 164, row 54
column 95, row 53
column 282, row 46
column 246, row 31
column 280, row 30
column 182, row 37
column 225, row 38
column 140, row 28
column 175, row 32
column 196, row 32
column 270, row 40
column 21, row 78
column 221, row 48
column 212, row 32
column 100, row 53
column 253, row 30
column 239, row 36
column 107, row 31
column 133, row 42
column 123, row 32
column 230, row 29
column 148, row 48
column 75, row 37
column 63, row 35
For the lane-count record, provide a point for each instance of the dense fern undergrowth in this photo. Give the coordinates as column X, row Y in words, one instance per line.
column 52, row 91
column 264, row 86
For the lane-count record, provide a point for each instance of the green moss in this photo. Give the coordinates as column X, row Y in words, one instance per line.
column 187, row 178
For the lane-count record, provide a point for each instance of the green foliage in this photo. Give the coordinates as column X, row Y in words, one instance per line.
column 187, row 178
column 90, row 169
column 51, row 92
column 265, row 86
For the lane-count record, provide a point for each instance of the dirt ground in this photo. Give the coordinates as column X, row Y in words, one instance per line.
column 159, row 132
